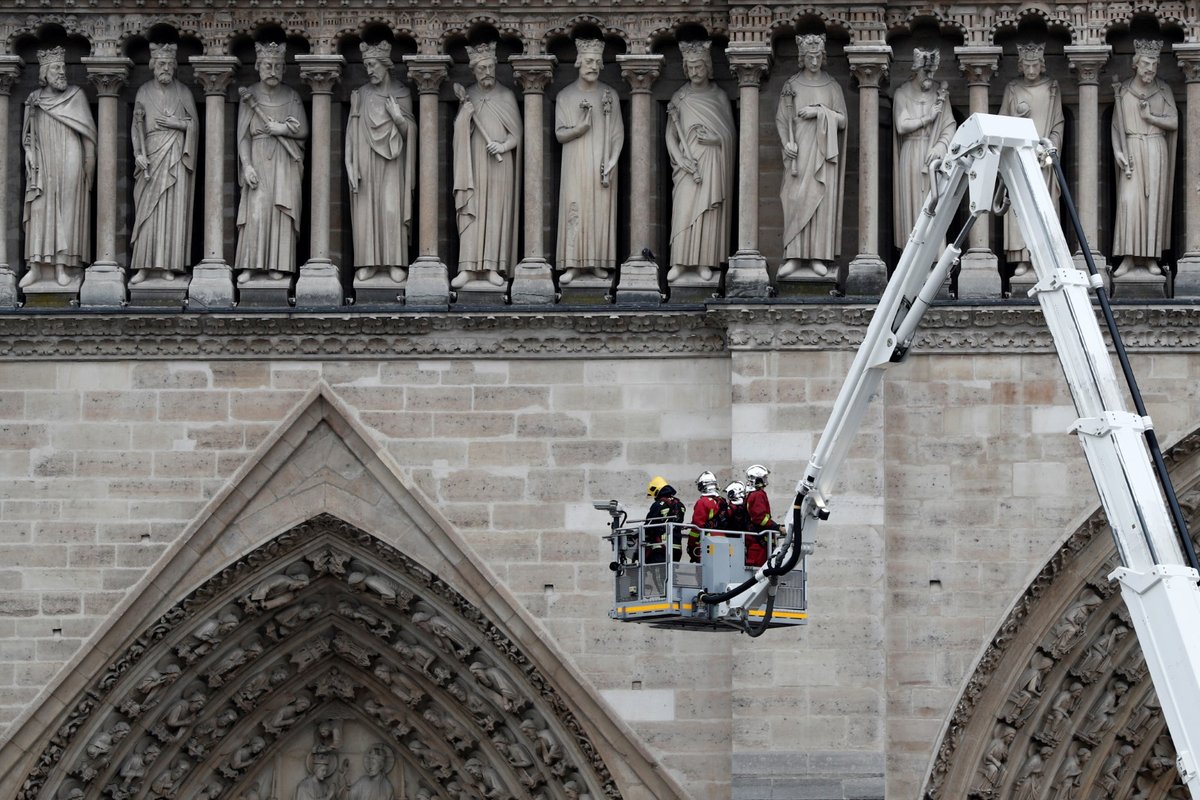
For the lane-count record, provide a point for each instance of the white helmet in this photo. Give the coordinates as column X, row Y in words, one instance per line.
column 756, row 475
column 706, row 484
column 736, row 492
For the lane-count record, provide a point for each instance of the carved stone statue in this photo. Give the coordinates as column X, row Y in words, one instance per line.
column 496, row 685
column 996, row 757
column 587, row 122
column 702, row 145
column 487, row 173
column 545, row 744
column 165, row 784
column 1061, row 708
column 1110, row 777
column 322, row 781
column 1029, row 782
column 271, row 131
column 1070, row 774
column 278, row 590
column 447, row 635
column 380, row 167
column 375, row 784
column 164, row 156
column 924, row 126
column 486, row 779
column 1145, row 121
column 1029, row 687
column 287, row 715
column 811, row 121
column 1035, row 97
column 1098, row 658
column 1101, row 718
column 59, row 138
column 1067, row 632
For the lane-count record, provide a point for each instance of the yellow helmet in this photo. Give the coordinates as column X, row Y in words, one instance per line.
column 655, row 485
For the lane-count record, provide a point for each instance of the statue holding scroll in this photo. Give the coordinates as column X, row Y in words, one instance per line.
column 811, row 121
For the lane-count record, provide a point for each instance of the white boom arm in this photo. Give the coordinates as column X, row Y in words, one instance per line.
column 1157, row 584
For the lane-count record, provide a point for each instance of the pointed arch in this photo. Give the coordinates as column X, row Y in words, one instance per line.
column 1062, row 690
column 315, row 573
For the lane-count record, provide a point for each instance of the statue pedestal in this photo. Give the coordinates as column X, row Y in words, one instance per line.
column 691, row 288
column 428, row 286
column 378, row 290
column 586, row 290
column 48, row 294
column 979, row 276
column 1097, row 259
column 867, row 276
column 265, row 292
column 639, row 283
column 319, row 285
column 747, row 275
column 1139, row 284
column 103, row 286
column 211, row 286
column 159, row 293
column 533, row 283
column 480, row 293
column 8, row 288
column 1187, row 276
column 804, row 282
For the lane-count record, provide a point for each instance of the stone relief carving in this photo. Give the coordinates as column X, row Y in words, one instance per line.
column 588, row 125
column 487, row 174
column 271, row 130
column 380, row 159
column 59, row 139
column 702, row 146
column 811, row 122
column 1034, row 97
column 1145, row 122
column 165, row 148
column 923, row 126
column 284, row 731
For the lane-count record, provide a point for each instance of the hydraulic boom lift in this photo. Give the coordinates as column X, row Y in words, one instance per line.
column 1159, row 577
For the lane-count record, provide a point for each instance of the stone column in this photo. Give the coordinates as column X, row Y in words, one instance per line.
column 10, row 71
column 319, row 283
column 1087, row 61
column 428, row 284
column 639, row 275
column 212, row 279
column 867, row 273
column 979, row 276
column 747, row 275
column 533, row 283
column 104, row 280
column 1187, row 281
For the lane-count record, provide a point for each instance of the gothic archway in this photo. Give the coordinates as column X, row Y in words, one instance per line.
column 323, row 659
column 1061, row 696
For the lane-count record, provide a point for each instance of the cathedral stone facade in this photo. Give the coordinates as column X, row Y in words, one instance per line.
column 324, row 326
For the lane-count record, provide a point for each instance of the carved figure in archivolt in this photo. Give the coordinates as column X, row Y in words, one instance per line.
column 1144, row 126
column 995, row 759
column 164, row 156
column 271, row 131
column 702, row 145
column 375, row 784
column 1035, row 97
column 487, row 170
column 381, row 137
column 59, row 138
column 1070, row 774
column 811, row 121
column 924, row 126
column 588, row 124
column 323, row 781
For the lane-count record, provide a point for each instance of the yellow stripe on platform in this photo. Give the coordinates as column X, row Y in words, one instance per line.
column 754, row 612
column 654, row 607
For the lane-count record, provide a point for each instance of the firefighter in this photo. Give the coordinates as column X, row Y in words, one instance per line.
column 711, row 512
column 665, row 508
column 758, row 509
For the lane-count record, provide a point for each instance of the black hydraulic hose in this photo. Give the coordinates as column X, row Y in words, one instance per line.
column 713, row 599
column 1160, row 466
column 797, row 539
column 754, row 631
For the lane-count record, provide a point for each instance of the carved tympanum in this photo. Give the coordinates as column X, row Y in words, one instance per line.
column 324, row 666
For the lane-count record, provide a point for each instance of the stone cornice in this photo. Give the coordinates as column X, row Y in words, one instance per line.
column 698, row 332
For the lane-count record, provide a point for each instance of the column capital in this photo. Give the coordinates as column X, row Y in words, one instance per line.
column 108, row 75
column 1188, row 56
column 869, row 63
column 978, row 63
column 1087, row 60
column 427, row 72
column 641, row 71
column 534, row 73
column 320, row 72
column 749, row 64
column 10, row 71
column 213, row 73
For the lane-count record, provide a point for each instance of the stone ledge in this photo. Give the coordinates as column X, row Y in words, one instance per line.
column 713, row 330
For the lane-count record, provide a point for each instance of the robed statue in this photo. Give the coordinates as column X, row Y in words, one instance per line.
column 923, row 127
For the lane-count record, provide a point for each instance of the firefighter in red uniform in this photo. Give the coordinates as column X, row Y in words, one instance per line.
column 711, row 512
column 758, row 509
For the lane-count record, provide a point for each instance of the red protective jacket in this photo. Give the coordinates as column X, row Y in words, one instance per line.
column 758, row 506
column 703, row 515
